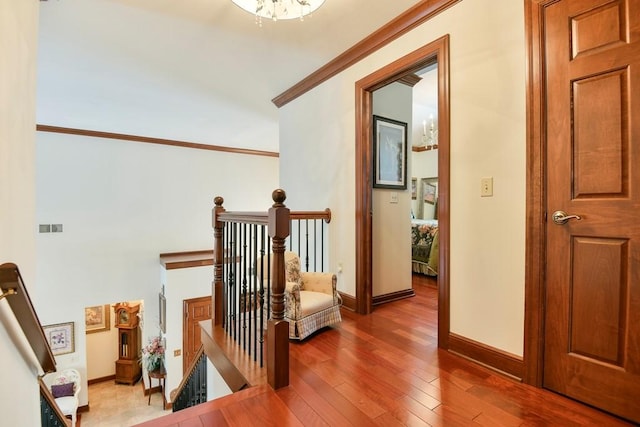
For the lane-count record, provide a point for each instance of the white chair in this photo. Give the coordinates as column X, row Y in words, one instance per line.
column 66, row 396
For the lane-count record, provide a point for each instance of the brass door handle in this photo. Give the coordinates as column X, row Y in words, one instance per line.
column 561, row 217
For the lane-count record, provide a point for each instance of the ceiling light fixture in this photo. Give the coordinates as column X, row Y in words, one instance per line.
column 279, row 9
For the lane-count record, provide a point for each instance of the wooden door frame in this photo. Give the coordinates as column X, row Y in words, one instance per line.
column 535, row 245
column 437, row 50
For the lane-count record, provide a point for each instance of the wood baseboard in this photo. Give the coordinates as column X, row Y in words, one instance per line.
column 490, row 357
column 393, row 296
column 101, row 379
column 348, row 302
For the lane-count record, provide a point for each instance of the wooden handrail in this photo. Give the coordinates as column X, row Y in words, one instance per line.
column 244, row 217
column 262, row 217
column 325, row 215
column 20, row 303
column 185, row 378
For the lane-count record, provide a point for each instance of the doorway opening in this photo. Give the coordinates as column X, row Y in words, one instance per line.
column 434, row 52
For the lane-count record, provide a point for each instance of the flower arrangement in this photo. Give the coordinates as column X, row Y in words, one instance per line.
column 153, row 354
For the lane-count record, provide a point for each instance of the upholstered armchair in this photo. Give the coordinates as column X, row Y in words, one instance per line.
column 65, row 389
column 311, row 299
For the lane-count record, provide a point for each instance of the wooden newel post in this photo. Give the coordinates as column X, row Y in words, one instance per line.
column 278, row 327
column 218, row 259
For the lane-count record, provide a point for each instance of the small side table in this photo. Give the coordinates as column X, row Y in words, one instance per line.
column 160, row 375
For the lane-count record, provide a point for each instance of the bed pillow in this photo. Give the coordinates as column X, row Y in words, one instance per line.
column 62, row 390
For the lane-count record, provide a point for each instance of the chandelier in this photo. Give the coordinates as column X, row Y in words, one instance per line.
column 279, row 9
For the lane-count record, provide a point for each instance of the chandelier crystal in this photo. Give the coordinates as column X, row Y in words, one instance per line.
column 279, row 9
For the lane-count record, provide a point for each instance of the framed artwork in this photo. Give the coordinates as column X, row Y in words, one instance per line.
column 60, row 338
column 97, row 318
column 389, row 153
column 162, row 310
column 429, row 192
column 414, row 188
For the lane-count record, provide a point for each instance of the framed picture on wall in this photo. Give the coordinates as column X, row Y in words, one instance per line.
column 60, row 338
column 429, row 193
column 97, row 318
column 389, row 153
column 162, row 310
column 414, row 188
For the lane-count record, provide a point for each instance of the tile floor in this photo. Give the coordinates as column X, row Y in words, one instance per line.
column 120, row 405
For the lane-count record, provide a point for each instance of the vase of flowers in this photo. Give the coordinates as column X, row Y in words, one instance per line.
column 153, row 354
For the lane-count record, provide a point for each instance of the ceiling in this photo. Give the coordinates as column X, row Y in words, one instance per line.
column 192, row 70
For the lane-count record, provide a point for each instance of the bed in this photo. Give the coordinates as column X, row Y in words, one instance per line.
column 424, row 246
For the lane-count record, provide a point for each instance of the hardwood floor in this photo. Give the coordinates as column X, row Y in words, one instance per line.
column 385, row 369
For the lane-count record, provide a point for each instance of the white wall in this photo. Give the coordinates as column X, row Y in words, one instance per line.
column 487, row 71
column 102, row 350
column 391, row 220
column 122, row 204
column 18, row 31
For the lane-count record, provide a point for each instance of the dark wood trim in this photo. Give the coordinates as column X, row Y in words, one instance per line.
column 420, row 148
column 492, row 358
column 348, row 302
column 324, row 215
column 402, row 24
column 436, row 51
column 101, row 379
column 393, row 296
column 535, row 231
column 176, row 260
column 152, row 140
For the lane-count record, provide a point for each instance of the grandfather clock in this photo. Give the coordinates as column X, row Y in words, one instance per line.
column 128, row 369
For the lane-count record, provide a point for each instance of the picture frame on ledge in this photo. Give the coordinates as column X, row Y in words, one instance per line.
column 389, row 153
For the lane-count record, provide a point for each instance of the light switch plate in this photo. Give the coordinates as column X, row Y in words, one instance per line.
column 394, row 197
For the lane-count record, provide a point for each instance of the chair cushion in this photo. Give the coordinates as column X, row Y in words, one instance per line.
column 313, row 302
column 61, row 390
column 68, row 405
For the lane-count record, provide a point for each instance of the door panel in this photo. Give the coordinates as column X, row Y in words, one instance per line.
column 592, row 301
column 194, row 311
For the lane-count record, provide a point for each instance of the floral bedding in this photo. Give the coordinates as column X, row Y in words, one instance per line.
column 424, row 246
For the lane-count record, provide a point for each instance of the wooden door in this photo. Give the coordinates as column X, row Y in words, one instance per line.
column 194, row 311
column 592, row 302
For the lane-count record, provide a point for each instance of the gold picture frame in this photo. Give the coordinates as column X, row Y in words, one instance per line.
column 97, row 318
